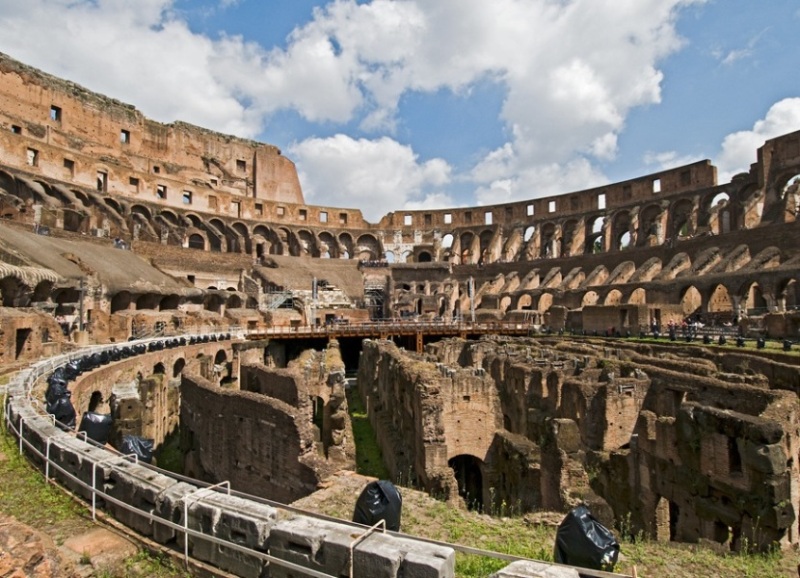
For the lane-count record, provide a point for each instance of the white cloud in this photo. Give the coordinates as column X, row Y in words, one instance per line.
column 572, row 71
column 376, row 176
column 661, row 161
column 738, row 149
column 540, row 181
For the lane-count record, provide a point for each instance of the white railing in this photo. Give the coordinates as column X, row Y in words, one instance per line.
column 23, row 385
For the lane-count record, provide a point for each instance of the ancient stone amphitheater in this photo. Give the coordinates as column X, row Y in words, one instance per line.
column 540, row 353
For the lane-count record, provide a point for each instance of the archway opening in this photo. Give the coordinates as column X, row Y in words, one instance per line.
column 691, row 301
column 467, row 470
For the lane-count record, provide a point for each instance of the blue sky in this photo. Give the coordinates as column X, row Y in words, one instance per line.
column 392, row 104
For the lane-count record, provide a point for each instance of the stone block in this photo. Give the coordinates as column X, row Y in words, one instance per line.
column 769, row 459
column 530, row 569
column 138, row 487
column 234, row 519
column 387, row 556
column 316, row 544
column 169, row 505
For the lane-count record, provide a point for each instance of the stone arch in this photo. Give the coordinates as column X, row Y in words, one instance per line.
column 681, row 219
column 568, row 232
column 197, row 241
column 329, row 246
column 234, row 302
column 468, row 472
column 525, row 301
column 754, row 300
column 148, row 301
column 177, row 367
column 220, row 230
column 788, row 294
column 169, row 303
column 241, row 230
column 678, row 264
column 485, row 240
column 545, row 302
column 790, row 198
column 169, row 216
column 595, row 242
column 638, row 297
column 447, row 241
column 368, row 248
column 614, row 297
column 42, row 291
column 621, row 231
column 719, row 300
column 590, row 298
column 505, row 301
column 691, row 300
column 649, row 226
column 424, row 257
column 547, row 247
column 159, row 369
column 307, row 243
column 388, row 256
column 220, row 357
column 348, row 247
column 121, row 302
column 466, row 241
column 622, row 273
column 213, row 302
column 288, row 241
column 14, row 292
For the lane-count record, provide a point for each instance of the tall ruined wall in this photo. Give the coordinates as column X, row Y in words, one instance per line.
column 77, row 135
column 314, row 385
column 663, row 438
column 427, row 414
column 257, row 443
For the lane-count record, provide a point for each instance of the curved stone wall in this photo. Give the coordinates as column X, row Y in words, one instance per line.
column 252, row 537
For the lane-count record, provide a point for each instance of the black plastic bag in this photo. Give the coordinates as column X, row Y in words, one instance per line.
column 56, row 388
column 142, row 447
column 584, row 542
column 63, row 410
column 97, row 426
column 380, row 500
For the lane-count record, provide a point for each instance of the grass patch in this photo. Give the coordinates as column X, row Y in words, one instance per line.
column 369, row 459
column 30, row 500
column 169, row 455
column 45, row 507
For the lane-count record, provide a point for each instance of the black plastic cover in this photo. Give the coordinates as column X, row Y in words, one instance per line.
column 142, row 447
column 380, row 500
column 56, row 388
column 63, row 410
column 97, row 426
column 584, row 542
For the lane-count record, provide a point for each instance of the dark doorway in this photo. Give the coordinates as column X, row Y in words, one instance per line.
column 22, row 339
column 467, row 470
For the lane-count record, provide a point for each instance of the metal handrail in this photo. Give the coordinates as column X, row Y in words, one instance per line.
column 27, row 379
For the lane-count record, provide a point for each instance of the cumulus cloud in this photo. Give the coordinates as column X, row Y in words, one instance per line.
column 738, row 149
column 571, row 72
column 541, row 180
column 376, row 176
column 661, row 161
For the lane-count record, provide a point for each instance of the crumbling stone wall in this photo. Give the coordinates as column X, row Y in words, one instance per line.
column 666, row 443
column 258, row 443
column 314, row 385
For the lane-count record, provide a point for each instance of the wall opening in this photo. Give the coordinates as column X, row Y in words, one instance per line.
column 467, row 470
